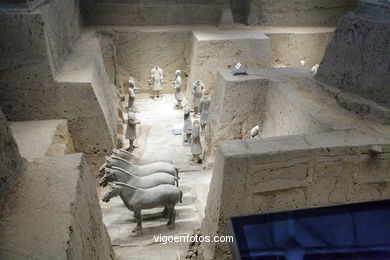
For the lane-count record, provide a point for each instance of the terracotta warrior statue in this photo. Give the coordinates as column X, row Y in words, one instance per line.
column 196, row 146
column 204, row 111
column 131, row 132
column 187, row 128
column 132, row 90
column 197, row 91
column 157, row 76
column 177, row 86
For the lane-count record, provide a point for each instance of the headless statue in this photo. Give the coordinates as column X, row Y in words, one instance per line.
column 187, row 128
column 204, row 111
column 157, row 76
column 196, row 146
column 197, row 91
column 131, row 132
column 177, row 86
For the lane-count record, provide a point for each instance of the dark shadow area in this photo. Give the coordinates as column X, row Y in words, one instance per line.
column 356, row 231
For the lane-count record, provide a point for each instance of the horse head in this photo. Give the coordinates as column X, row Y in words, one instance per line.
column 108, row 161
column 109, row 176
column 101, row 169
column 113, row 192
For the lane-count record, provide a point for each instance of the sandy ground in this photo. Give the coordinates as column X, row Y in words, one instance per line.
column 156, row 141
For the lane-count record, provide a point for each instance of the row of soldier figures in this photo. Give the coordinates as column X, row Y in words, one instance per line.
column 201, row 103
column 191, row 131
column 192, row 135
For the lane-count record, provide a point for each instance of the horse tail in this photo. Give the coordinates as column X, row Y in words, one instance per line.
column 177, row 182
column 177, row 173
column 181, row 196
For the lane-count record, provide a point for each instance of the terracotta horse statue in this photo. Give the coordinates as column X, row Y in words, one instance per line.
column 137, row 199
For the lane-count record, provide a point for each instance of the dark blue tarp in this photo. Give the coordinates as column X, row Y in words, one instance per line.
column 355, row 231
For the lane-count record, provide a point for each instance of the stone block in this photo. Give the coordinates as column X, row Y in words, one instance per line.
column 54, row 213
column 151, row 13
column 297, row 13
column 357, row 58
column 214, row 50
column 11, row 163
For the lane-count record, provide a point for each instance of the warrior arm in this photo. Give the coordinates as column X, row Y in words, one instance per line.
column 193, row 89
column 132, row 122
column 152, row 77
